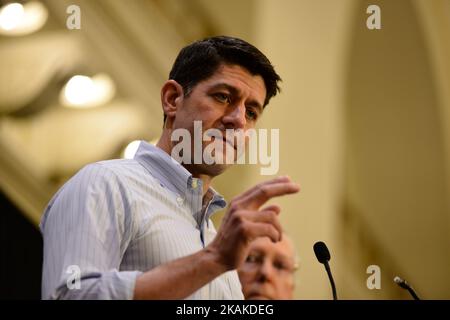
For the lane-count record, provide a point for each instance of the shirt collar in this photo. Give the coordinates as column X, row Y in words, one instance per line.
column 170, row 173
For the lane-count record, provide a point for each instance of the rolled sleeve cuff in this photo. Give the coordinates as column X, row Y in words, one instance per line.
column 112, row 285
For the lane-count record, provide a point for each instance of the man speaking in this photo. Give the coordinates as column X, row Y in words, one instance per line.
column 141, row 228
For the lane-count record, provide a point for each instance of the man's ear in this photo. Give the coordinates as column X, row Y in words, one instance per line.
column 171, row 96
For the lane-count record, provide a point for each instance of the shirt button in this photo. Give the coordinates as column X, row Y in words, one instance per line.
column 180, row 200
column 194, row 183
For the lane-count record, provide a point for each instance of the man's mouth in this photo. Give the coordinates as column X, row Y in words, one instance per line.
column 260, row 292
column 230, row 143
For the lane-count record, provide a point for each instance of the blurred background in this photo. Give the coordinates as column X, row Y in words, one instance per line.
column 364, row 119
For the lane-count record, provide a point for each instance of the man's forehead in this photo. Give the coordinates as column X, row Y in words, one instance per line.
column 238, row 77
column 266, row 245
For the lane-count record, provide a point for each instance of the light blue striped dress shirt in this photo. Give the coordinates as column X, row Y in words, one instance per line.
column 119, row 218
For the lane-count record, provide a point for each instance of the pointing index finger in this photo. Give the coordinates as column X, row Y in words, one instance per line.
column 264, row 192
column 272, row 181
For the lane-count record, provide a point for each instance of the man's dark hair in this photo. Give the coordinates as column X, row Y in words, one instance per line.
column 201, row 59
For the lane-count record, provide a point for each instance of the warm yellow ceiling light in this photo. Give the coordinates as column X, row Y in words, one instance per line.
column 131, row 149
column 17, row 19
column 86, row 92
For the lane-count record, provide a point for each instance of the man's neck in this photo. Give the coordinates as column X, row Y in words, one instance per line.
column 206, row 180
column 165, row 144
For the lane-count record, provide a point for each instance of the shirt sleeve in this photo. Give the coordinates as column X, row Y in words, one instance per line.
column 86, row 228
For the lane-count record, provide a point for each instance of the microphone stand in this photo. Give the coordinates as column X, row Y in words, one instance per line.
column 333, row 286
column 405, row 285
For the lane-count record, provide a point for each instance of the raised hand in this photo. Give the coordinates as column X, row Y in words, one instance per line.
column 245, row 221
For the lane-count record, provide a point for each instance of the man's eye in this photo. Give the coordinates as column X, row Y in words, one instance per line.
column 222, row 97
column 251, row 114
column 280, row 265
column 251, row 258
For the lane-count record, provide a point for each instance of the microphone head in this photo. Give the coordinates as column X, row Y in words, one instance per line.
column 402, row 283
column 321, row 251
column 398, row 280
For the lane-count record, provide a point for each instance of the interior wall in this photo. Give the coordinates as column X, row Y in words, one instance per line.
column 306, row 41
column 395, row 150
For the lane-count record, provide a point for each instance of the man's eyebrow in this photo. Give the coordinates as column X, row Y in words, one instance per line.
column 235, row 91
column 286, row 258
column 257, row 251
column 230, row 88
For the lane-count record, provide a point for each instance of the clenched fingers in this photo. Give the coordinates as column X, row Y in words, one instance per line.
column 249, row 220
column 260, row 229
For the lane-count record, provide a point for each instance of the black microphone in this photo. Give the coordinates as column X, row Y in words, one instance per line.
column 405, row 285
column 323, row 255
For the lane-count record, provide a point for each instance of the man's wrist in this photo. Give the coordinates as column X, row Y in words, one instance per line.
column 214, row 259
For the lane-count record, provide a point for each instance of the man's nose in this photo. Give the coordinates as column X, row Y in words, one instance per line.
column 265, row 271
column 235, row 117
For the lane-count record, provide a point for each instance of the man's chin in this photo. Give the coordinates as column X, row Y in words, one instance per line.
column 258, row 296
column 213, row 169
